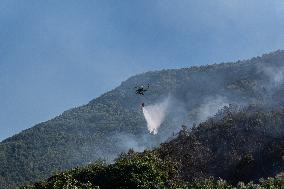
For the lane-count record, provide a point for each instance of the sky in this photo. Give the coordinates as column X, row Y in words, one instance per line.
column 55, row 55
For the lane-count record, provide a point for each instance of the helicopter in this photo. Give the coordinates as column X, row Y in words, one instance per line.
column 141, row 89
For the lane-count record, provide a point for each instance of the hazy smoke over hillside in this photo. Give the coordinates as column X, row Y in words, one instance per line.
column 155, row 115
column 275, row 74
column 210, row 107
column 126, row 141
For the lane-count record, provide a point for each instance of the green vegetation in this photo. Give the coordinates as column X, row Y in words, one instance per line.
column 143, row 172
column 135, row 171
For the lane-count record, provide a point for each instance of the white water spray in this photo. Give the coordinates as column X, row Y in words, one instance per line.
column 155, row 115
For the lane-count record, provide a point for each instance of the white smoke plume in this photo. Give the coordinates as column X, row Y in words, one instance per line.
column 210, row 107
column 125, row 141
column 155, row 115
column 275, row 74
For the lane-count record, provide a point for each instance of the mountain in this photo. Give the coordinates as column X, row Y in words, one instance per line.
column 239, row 145
column 113, row 122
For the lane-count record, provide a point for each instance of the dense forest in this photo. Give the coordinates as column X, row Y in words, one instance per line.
column 113, row 123
column 235, row 149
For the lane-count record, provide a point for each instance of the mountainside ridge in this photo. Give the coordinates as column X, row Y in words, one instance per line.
column 113, row 122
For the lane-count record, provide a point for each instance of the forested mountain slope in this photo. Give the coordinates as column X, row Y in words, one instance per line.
column 236, row 145
column 113, row 122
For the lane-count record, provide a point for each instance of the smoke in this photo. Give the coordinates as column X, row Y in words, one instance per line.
column 275, row 75
column 210, row 107
column 272, row 83
column 126, row 141
column 155, row 115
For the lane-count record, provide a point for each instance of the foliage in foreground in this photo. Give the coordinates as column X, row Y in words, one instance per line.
column 140, row 171
column 129, row 171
